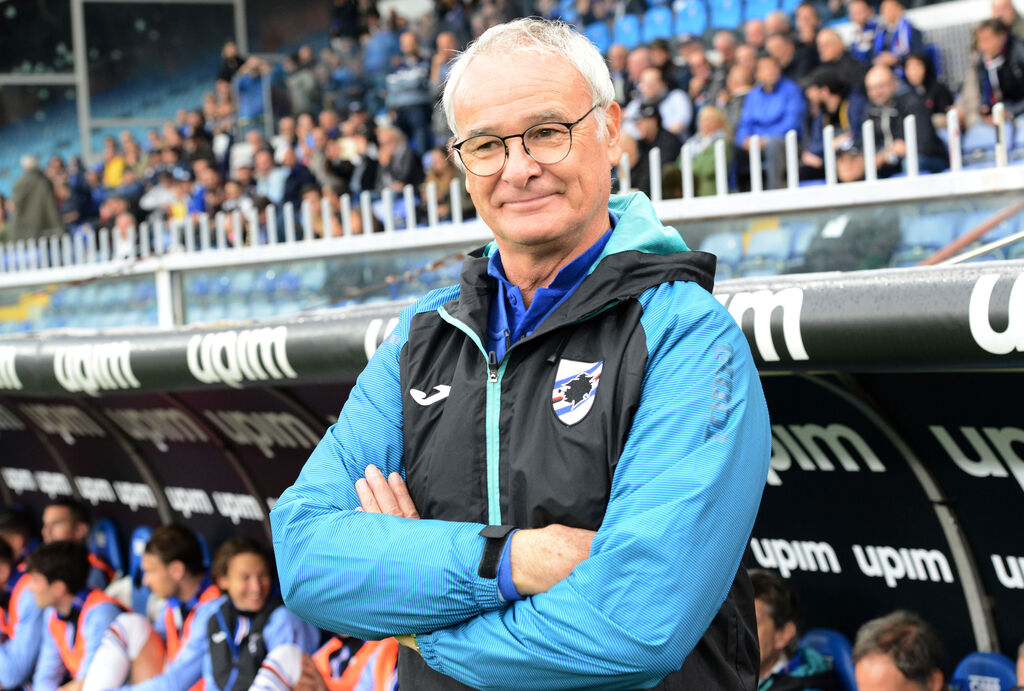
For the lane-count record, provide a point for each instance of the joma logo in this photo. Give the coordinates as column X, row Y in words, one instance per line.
column 990, row 340
column 232, row 357
column 764, row 303
column 96, row 367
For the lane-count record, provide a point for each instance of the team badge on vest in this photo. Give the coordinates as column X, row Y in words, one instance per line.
column 575, row 388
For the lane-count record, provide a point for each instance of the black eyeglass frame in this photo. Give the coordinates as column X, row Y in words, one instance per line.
column 522, row 136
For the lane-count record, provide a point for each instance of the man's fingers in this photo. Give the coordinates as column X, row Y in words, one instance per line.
column 405, row 505
column 365, row 494
column 382, row 491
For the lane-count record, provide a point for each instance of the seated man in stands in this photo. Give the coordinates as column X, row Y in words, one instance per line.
column 674, row 106
column 20, row 623
column 772, row 108
column 1000, row 69
column 652, row 136
column 865, row 26
column 887, row 109
column 75, row 615
column 834, row 105
column 840, row 61
column 66, row 519
column 898, row 651
column 896, row 37
column 784, row 665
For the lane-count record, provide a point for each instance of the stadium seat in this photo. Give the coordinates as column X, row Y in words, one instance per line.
column 803, row 233
column 726, row 14
column 988, row 671
column 657, row 23
column 980, row 138
column 140, row 593
column 599, row 35
column 767, row 252
column 935, row 55
column 691, row 18
column 104, row 543
column 789, row 6
column 204, row 546
column 759, row 9
column 922, row 236
column 837, row 648
column 628, row 31
column 976, row 218
column 728, row 247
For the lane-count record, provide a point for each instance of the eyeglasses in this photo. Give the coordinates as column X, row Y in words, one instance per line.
column 546, row 143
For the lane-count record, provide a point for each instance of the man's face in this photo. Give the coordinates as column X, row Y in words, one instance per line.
column 860, row 13
column 754, row 32
column 617, row 57
column 878, row 672
column 651, row 84
column 990, row 43
column 1004, row 11
column 781, row 49
column 830, row 46
column 162, row 579
column 771, row 639
column 409, row 43
column 880, row 86
column 891, row 11
column 43, row 591
column 59, row 525
column 768, row 72
column 806, row 20
column 528, row 205
column 636, row 62
column 247, row 582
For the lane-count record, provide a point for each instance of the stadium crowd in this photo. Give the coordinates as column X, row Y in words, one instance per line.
column 66, row 621
column 360, row 115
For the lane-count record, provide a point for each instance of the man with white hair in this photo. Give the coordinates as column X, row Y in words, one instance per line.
column 547, row 475
column 35, row 206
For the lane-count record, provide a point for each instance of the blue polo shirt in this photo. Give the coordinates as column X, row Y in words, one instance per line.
column 510, row 320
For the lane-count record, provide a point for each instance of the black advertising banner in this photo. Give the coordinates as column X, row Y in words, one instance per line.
column 845, row 520
column 971, row 437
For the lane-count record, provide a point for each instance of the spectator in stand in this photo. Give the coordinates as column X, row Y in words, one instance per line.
column 836, row 59
column 865, row 26
column 920, row 77
column 785, row 665
column 447, row 48
column 297, row 179
column 898, row 651
column 652, row 135
column 285, row 137
column 833, row 104
column 674, row 106
column 661, row 57
column 21, row 619
column 712, row 125
column 772, row 108
column 724, row 44
column 408, row 94
column 688, row 49
column 746, row 56
column 399, row 164
column 242, row 152
column 34, row 204
column 1000, row 69
column 730, row 99
column 1004, row 11
column 887, row 109
column 231, row 61
column 638, row 60
column 300, row 80
column 895, row 37
column 754, row 34
column 777, row 22
column 270, row 178
column 160, row 197
column 311, row 195
column 617, row 55
column 441, row 172
column 808, row 24
column 345, row 25
column 113, row 163
column 706, row 80
column 249, row 82
column 122, row 237
column 796, row 62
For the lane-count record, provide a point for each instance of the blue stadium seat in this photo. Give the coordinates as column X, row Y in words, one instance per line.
column 759, row 9
column 789, row 6
column 691, row 18
column 657, row 23
column 204, row 546
column 837, row 648
column 976, row 218
column 599, row 35
column 140, row 593
column 935, row 55
column 987, row 671
column 728, row 247
column 628, row 31
column 922, row 236
column 767, row 252
column 104, row 543
column 979, row 138
column 726, row 14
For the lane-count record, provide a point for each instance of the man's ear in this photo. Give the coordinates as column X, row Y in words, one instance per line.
column 81, row 531
column 612, row 132
column 177, row 569
column 784, row 635
column 936, row 680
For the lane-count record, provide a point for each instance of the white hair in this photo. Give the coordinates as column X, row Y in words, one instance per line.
column 554, row 38
column 29, row 162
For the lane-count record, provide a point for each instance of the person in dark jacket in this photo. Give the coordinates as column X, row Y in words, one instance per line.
column 652, row 136
column 895, row 37
column 548, row 419
column 887, row 109
column 837, row 106
column 35, row 205
column 796, row 61
column 919, row 73
column 1000, row 68
column 837, row 59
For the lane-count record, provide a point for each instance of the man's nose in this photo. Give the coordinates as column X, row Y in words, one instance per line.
column 519, row 166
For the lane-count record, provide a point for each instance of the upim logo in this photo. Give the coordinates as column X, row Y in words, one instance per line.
column 189, row 502
column 8, row 422
column 95, row 489
column 795, row 555
column 96, row 367
column 66, row 421
column 764, row 303
column 157, row 425
column 19, row 480
column 802, row 444
column 8, row 374
column 985, row 462
column 235, row 507
column 376, row 331
column 263, row 430
column 235, row 356
column 1010, row 574
column 1012, row 338
column 894, row 564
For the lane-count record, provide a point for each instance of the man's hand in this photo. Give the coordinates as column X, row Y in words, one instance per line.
column 73, row 685
column 544, row 556
column 310, row 679
column 377, row 495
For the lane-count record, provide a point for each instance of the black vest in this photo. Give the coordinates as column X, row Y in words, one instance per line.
column 235, row 665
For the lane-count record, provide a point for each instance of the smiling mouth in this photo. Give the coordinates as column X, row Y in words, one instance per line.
column 528, row 202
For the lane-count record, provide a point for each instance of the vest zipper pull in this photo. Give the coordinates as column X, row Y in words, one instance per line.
column 492, row 367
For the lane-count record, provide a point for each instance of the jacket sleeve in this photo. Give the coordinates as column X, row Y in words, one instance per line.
column 96, row 625
column 50, row 671
column 795, row 109
column 744, row 128
column 683, row 501
column 18, row 655
column 372, row 575
column 284, row 628
column 187, row 668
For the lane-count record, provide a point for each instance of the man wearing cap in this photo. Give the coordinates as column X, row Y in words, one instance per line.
column 652, row 136
column 547, row 475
